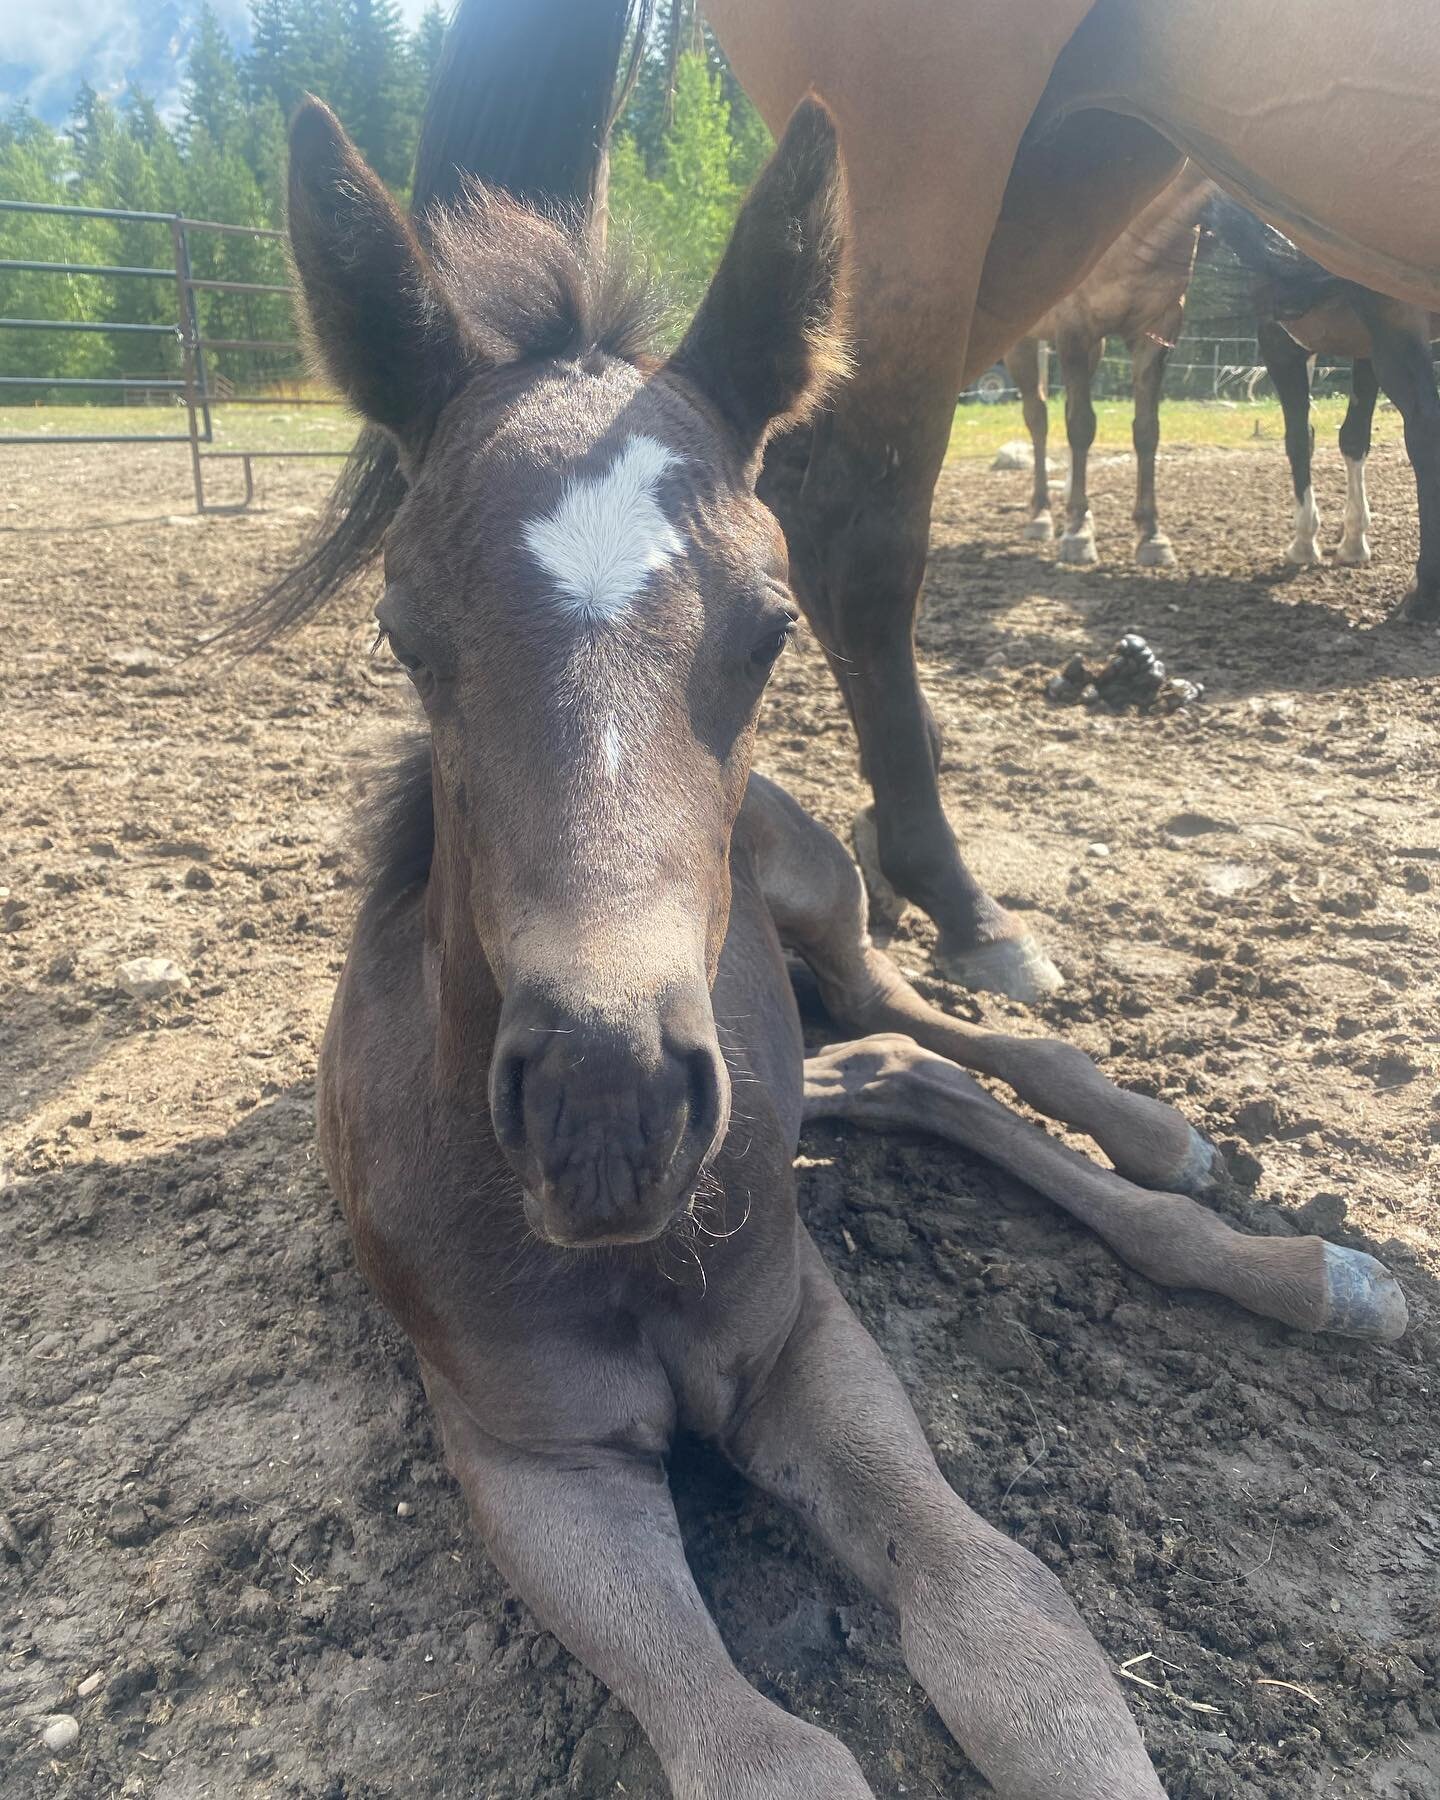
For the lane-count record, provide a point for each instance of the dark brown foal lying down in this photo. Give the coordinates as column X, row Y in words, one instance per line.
column 525, row 1108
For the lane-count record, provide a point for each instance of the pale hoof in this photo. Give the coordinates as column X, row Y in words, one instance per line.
column 1200, row 1169
column 1302, row 555
column 1155, row 553
column 888, row 905
column 1353, row 556
column 1362, row 1298
column 1016, row 967
column 1041, row 529
column 1078, row 547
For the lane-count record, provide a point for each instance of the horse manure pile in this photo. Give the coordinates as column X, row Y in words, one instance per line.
column 1133, row 677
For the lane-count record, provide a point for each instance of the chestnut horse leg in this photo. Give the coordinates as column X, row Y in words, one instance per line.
column 1148, row 356
column 1354, row 548
column 889, row 1081
column 818, row 904
column 586, row 1533
column 858, row 526
column 986, row 1629
column 1079, row 359
column 1400, row 340
column 1026, row 364
column 1288, row 365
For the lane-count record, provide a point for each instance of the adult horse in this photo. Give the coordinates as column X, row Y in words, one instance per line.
column 1136, row 292
column 1302, row 311
column 524, row 1104
column 995, row 148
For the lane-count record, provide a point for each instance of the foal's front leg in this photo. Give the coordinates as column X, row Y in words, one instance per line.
column 889, row 1080
column 986, row 1628
column 587, row 1535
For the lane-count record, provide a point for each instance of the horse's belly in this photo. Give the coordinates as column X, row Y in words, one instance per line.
column 1321, row 119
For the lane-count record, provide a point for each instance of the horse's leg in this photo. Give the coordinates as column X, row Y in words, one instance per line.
column 589, row 1539
column 1079, row 359
column 1354, row 550
column 858, row 526
column 1400, row 342
column 1026, row 363
column 889, row 1081
column 986, row 1629
column 818, row 904
column 1148, row 356
column 1288, row 365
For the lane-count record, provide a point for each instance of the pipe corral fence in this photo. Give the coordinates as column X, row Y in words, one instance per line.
column 194, row 389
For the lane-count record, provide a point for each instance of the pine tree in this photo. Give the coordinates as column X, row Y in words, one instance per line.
column 37, row 163
column 92, row 130
column 378, row 92
column 271, row 66
column 425, row 45
column 214, row 103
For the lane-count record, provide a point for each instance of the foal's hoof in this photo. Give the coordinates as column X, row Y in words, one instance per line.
column 1304, row 554
column 1199, row 1172
column 1017, row 967
column 1353, row 556
column 887, row 904
column 1078, row 547
column 1040, row 529
column 1362, row 1298
column 1155, row 553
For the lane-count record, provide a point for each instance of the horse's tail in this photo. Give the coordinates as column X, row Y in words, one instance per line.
column 523, row 97
column 1293, row 283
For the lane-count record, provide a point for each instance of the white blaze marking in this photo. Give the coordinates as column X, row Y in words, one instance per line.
column 610, row 748
column 607, row 533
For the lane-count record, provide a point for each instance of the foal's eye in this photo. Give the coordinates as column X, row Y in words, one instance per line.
column 766, row 651
column 408, row 661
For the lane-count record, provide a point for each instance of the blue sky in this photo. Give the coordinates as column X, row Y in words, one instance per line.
column 48, row 47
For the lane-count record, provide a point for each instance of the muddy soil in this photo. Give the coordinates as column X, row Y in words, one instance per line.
column 230, row 1549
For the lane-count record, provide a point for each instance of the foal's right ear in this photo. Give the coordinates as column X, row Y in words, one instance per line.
column 384, row 331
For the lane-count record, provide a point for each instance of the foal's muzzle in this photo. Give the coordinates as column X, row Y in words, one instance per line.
column 608, row 1122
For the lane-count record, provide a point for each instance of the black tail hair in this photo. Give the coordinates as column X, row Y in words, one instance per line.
column 1293, row 282
column 523, row 97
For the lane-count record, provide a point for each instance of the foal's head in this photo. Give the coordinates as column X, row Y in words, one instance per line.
column 589, row 599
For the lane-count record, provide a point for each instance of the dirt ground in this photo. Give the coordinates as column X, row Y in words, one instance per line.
column 229, row 1547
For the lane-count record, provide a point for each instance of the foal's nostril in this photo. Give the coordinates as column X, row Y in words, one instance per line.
column 507, row 1101
column 704, row 1098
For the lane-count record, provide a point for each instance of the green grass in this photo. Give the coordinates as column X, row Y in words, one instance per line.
column 980, row 430
column 274, row 426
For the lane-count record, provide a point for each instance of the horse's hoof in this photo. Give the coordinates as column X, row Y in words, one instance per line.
column 1078, row 547
column 1353, row 556
column 1040, row 529
column 1155, row 553
column 887, row 905
column 1200, row 1170
column 1302, row 555
column 1362, row 1298
column 1421, row 606
column 1016, row 967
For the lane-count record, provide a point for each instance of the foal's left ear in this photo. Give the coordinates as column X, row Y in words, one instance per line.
column 383, row 328
column 768, row 340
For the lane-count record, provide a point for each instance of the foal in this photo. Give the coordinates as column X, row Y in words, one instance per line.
column 525, row 1109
